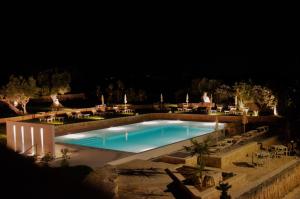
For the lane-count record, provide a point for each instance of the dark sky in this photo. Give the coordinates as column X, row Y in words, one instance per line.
column 269, row 66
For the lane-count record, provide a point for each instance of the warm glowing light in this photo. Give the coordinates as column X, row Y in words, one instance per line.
column 116, row 128
column 15, row 137
column 32, row 140
column 75, row 136
column 23, row 139
column 42, row 140
column 102, row 100
column 16, row 103
column 275, row 111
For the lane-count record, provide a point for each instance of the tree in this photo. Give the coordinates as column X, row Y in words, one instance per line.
column 98, row 92
column 109, row 91
column 141, row 95
column 261, row 96
column 224, row 187
column 244, row 93
column 199, row 86
column 54, row 82
column 46, row 159
column 198, row 149
column 18, row 91
column 65, row 157
column 224, row 93
column 119, row 92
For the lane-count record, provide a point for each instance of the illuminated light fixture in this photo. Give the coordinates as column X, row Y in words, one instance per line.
column 16, row 103
column 15, row 137
column 42, row 140
column 23, row 140
column 275, row 110
column 175, row 122
column 32, row 140
column 149, row 123
column 116, row 128
column 75, row 136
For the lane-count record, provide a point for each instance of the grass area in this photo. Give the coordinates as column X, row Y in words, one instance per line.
column 95, row 117
column 3, row 139
column 68, row 120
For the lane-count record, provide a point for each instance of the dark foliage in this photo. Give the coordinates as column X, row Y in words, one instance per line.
column 20, row 177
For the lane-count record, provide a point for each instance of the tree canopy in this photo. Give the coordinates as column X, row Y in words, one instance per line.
column 18, row 91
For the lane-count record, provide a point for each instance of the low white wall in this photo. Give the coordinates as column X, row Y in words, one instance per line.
column 32, row 138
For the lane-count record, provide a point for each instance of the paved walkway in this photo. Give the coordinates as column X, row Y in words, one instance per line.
column 88, row 156
column 142, row 179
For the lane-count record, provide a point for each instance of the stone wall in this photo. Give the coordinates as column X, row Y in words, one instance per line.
column 275, row 185
column 226, row 159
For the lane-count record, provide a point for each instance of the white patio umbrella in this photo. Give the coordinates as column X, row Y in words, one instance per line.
column 235, row 101
column 161, row 98
column 125, row 100
column 187, row 98
column 102, row 100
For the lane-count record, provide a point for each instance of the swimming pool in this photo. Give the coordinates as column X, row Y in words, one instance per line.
column 141, row 136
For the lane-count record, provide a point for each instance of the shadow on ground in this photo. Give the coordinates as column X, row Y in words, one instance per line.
column 140, row 172
column 244, row 164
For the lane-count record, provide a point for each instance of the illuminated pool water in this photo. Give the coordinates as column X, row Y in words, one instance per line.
column 139, row 137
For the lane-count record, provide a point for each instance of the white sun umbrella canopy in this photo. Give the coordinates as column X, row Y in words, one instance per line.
column 161, row 98
column 125, row 99
column 235, row 101
column 102, row 100
column 187, row 98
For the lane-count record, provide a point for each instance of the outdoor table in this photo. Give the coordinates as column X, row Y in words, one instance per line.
column 85, row 115
column 60, row 118
column 279, row 149
column 262, row 154
column 229, row 140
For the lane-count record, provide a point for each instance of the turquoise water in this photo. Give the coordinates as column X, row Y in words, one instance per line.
column 139, row 137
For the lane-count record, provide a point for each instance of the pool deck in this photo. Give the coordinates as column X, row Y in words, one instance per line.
column 88, row 156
